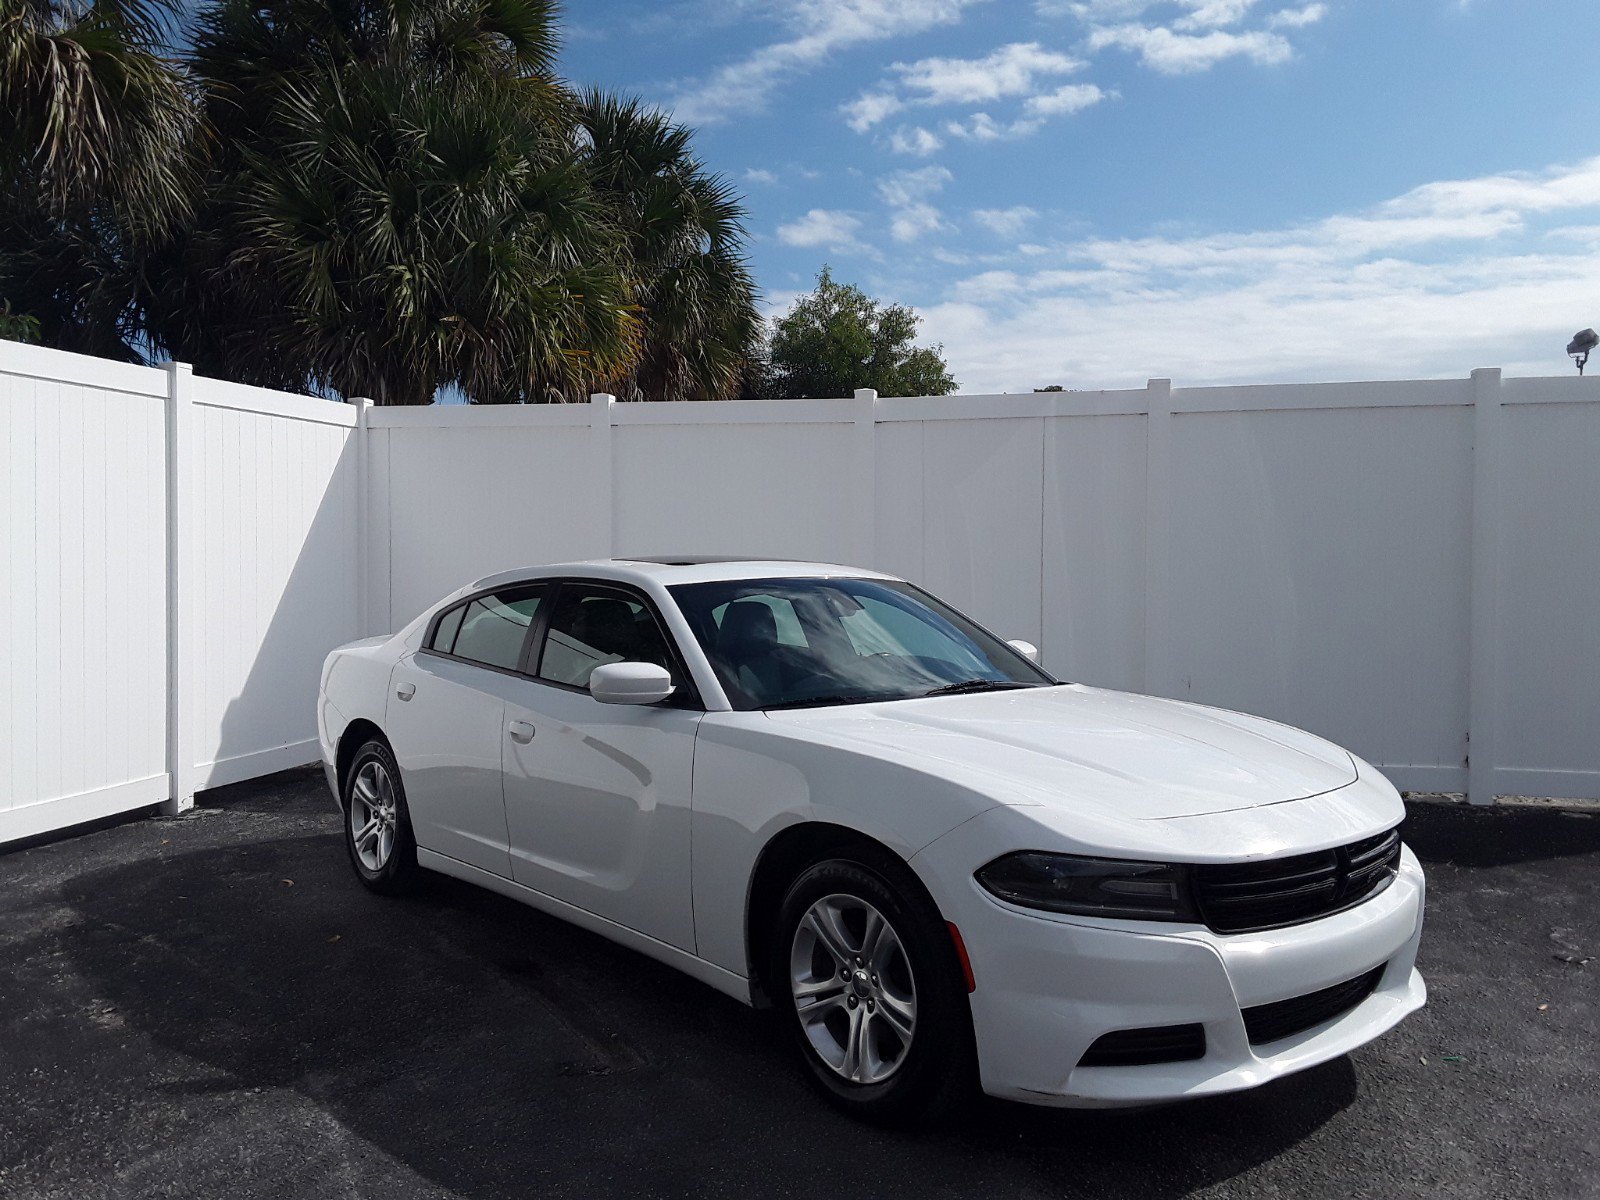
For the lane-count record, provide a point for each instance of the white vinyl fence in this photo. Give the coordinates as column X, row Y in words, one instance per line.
column 1411, row 569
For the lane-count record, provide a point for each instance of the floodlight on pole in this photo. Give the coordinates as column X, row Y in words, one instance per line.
column 1578, row 348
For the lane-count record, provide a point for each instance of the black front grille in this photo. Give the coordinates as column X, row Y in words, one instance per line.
column 1285, row 1018
column 1247, row 897
column 1142, row 1047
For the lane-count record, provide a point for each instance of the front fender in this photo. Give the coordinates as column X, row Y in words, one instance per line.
column 752, row 781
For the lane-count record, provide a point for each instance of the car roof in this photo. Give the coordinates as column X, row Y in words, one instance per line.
column 673, row 569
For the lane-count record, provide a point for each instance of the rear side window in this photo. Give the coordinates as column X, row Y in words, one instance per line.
column 444, row 635
column 490, row 629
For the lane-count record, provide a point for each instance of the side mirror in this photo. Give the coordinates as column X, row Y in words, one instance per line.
column 1027, row 649
column 630, row 683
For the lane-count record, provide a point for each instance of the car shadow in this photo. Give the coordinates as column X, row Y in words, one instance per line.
column 497, row 1051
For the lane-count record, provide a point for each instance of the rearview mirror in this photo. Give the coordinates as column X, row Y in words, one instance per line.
column 630, row 683
column 1027, row 649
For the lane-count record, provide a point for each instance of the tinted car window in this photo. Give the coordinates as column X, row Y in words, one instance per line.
column 494, row 627
column 444, row 634
column 594, row 626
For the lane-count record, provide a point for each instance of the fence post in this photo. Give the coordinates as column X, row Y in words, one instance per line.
column 603, row 486
column 180, row 591
column 866, row 471
column 364, row 617
column 1158, row 537
column 1483, row 667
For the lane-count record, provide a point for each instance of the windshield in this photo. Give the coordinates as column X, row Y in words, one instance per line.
column 794, row 643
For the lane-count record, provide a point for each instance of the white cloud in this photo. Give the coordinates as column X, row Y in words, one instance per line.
column 827, row 228
column 1213, row 14
column 869, row 108
column 1297, row 18
column 1012, row 70
column 917, row 141
column 817, row 29
column 1064, row 101
column 1491, row 271
column 907, row 195
column 759, row 175
column 1016, row 71
column 1172, row 53
column 1005, row 222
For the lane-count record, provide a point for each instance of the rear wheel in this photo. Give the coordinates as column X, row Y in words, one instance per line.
column 865, row 976
column 377, row 825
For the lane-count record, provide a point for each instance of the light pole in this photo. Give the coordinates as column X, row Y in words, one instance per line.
column 1578, row 348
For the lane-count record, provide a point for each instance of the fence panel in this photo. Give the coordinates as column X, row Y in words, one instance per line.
column 1548, row 591
column 271, row 577
column 83, row 663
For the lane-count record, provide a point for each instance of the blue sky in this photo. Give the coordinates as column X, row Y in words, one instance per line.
column 1094, row 192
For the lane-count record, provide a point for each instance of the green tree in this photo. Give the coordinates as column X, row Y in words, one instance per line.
column 95, row 142
column 397, row 203
column 838, row 338
column 683, row 231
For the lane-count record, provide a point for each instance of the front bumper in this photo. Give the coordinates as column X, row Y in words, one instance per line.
column 1048, row 986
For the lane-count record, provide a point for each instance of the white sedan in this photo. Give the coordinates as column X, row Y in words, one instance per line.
column 820, row 788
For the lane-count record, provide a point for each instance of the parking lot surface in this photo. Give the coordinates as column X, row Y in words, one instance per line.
column 211, row 1006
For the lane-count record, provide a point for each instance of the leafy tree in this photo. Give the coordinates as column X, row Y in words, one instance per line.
column 838, row 338
column 94, row 163
column 397, row 203
column 683, row 232
column 17, row 327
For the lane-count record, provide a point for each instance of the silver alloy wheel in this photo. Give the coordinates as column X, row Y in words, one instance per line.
column 372, row 815
column 853, row 989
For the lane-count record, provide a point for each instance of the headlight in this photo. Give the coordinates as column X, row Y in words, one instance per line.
column 1091, row 887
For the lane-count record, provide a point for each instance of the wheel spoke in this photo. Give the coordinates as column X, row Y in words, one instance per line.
column 819, row 989
column 365, row 791
column 900, row 1015
column 365, row 833
column 822, row 922
column 854, row 1045
column 873, row 936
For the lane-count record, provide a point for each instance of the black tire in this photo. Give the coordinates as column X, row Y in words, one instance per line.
column 397, row 873
column 934, row 1075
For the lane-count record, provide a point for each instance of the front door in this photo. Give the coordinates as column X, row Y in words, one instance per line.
column 597, row 795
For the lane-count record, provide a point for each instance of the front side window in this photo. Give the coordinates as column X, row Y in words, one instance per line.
column 592, row 626
column 791, row 643
column 490, row 629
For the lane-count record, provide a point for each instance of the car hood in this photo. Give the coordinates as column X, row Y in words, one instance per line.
column 1137, row 757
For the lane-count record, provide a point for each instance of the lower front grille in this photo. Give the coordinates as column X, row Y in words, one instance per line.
column 1285, row 1018
column 1144, row 1047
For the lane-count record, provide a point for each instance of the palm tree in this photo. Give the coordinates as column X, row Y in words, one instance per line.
column 94, row 152
column 684, row 232
column 398, row 205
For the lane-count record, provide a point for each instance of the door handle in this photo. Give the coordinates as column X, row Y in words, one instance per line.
column 406, row 690
column 520, row 731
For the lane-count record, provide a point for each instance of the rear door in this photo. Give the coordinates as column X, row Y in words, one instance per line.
column 447, row 721
column 597, row 795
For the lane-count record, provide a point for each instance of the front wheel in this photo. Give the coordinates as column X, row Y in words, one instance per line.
column 377, row 824
column 866, row 978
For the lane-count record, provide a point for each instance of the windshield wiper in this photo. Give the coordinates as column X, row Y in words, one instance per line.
column 819, row 701
column 976, row 685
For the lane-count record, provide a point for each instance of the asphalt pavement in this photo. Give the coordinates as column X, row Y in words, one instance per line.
column 211, row 1006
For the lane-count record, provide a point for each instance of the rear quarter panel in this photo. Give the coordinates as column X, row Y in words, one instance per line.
column 355, row 686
